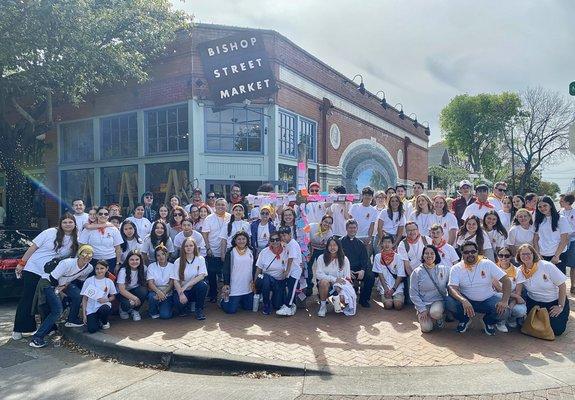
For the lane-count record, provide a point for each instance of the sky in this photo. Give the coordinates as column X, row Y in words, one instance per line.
column 422, row 53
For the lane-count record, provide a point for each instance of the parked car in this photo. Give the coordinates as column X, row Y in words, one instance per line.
column 13, row 245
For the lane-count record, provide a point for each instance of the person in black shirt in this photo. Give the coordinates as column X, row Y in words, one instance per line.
column 359, row 263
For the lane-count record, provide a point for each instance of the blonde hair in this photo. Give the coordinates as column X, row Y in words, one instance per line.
column 183, row 261
column 536, row 256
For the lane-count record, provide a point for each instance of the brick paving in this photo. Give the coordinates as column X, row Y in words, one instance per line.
column 374, row 337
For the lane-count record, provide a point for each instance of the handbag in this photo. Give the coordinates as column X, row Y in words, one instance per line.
column 537, row 324
column 52, row 264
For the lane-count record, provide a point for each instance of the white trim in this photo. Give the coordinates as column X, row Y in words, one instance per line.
column 368, row 142
column 288, row 76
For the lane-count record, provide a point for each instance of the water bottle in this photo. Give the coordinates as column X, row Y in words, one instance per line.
column 256, row 303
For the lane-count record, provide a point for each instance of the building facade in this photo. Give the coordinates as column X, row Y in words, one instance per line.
column 167, row 135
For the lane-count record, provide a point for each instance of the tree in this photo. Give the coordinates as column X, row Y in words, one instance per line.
column 473, row 128
column 59, row 51
column 446, row 177
column 540, row 132
column 535, row 184
column 377, row 181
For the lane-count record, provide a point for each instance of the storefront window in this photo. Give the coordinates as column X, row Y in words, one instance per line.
column 167, row 130
column 165, row 179
column 77, row 184
column 119, row 136
column 76, row 142
column 234, row 129
column 292, row 129
column 120, row 185
column 288, row 173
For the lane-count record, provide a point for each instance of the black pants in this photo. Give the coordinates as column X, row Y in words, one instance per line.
column 366, row 284
column 214, row 267
column 558, row 323
column 562, row 266
column 99, row 318
column 24, row 321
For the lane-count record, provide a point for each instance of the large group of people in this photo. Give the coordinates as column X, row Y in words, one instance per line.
column 494, row 254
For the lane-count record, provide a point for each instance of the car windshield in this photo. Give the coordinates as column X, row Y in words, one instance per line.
column 15, row 239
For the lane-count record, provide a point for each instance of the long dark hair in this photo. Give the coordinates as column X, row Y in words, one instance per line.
column 124, row 244
column 539, row 216
column 59, row 241
column 339, row 255
column 128, row 269
column 283, row 223
column 183, row 259
column 154, row 239
column 479, row 239
column 171, row 219
column 232, row 217
column 513, row 210
column 498, row 225
column 399, row 208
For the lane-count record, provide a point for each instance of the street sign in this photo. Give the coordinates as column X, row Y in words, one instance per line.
column 572, row 88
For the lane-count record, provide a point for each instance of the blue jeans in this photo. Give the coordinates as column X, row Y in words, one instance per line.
column 140, row 292
column 95, row 320
column 196, row 294
column 277, row 290
column 161, row 308
column 486, row 307
column 214, row 267
column 74, row 300
column 246, row 301
column 55, row 305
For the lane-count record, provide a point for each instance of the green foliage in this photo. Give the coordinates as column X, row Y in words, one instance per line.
column 534, row 183
column 473, row 127
column 446, row 177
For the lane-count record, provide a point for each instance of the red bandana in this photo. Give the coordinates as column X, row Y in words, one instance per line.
column 486, row 204
column 387, row 257
column 415, row 240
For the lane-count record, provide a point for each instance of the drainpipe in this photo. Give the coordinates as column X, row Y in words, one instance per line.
column 406, row 143
column 325, row 108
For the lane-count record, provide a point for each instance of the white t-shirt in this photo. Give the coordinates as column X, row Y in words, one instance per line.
column 496, row 203
column 413, row 256
column 133, row 278
column 263, row 235
column 318, row 241
column 198, row 238
column 315, row 211
column 293, row 250
column 467, row 238
column 473, row 209
column 332, row 271
column 68, row 271
column 376, row 223
column 365, row 216
column 543, row 286
column 505, row 218
column 213, row 226
column 497, row 239
column 143, row 225
column 237, row 226
column 193, row 269
column 132, row 245
column 270, row 265
column 549, row 239
column 160, row 275
column 148, row 248
column 448, row 255
column 104, row 285
column 103, row 244
column 81, row 219
column 476, row 284
column 241, row 273
column 519, row 235
column 45, row 251
column 447, row 222
column 396, row 267
column 338, row 215
column 570, row 216
column 390, row 226
column 424, row 222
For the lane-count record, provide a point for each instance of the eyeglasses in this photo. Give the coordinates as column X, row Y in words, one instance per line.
column 103, row 214
column 274, row 240
column 314, row 191
column 470, row 252
column 504, row 255
column 178, row 215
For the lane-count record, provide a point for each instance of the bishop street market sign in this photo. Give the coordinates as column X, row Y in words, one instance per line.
column 237, row 68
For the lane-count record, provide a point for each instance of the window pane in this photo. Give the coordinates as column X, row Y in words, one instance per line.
column 212, row 128
column 77, row 184
column 111, row 184
column 227, row 115
column 157, row 179
column 77, row 142
column 172, row 130
column 117, row 132
column 234, row 132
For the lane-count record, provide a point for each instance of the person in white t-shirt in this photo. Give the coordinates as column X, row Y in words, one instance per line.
column 211, row 229
column 188, row 231
column 160, row 285
column 315, row 210
column 392, row 220
column 471, row 290
column 80, row 216
column 423, row 214
column 340, row 212
column 237, row 223
column 517, row 307
column 443, row 217
column 270, row 273
column 480, row 206
column 132, row 240
column 447, row 254
column 61, row 241
column 472, row 230
column 521, row 231
column 545, row 285
column 98, row 292
column 261, row 228
column 105, row 241
column 318, row 236
column 494, row 229
column 188, row 278
column 568, row 212
column 505, row 214
column 132, row 286
column 158, row 235
column 496, row 198
column 390, row 270
column 238, row 275
column 365, row 215
column 293, row 272
column 552, row 231
column 380, row 204
column 410, row 250
column 143, row 224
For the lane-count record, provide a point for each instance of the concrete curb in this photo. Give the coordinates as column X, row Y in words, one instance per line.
column 131, row 352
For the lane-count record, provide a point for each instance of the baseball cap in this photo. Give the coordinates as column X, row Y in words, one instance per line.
column 481, row 188
column 284, row 229
column 464, row 183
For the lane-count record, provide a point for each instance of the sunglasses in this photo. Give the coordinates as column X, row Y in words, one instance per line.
column 211, row 197
column 178, row 215
column 264, row 213
column 501, row 190
column 149, row 197
column 470, row 252
column 274, row 240
column 314, row 191
column 504, row 255
column 103, row 214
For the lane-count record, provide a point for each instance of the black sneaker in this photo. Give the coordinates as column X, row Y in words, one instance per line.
column 200, row 316
column 462, row 326
column 37, row 343
column 365, row 304
column 489, row 329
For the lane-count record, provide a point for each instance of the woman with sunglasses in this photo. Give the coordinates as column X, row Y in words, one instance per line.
column 238, row 275
column 319, row 233
column 472, row 231
column 177, row 216
column 545, row 286
column 194, row 214
column 261, row 229
column 517, row 306
column 521, row 230
column 552, row 231
column 106, row 242
column 143, row 224
column 270, row 279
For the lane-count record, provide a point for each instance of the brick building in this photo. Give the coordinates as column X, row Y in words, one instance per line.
column 163, row 135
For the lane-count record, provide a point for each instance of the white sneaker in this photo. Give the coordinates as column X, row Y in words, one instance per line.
column 154, row 316
column 322, row 310
column 292, row 309
column 136, row 316
column 440, row 323
column 73, row 325
column 284, row 311
column 124, row 315
column 16, row 335
column 512, row 324
column 106, row 325
column 501, row 327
